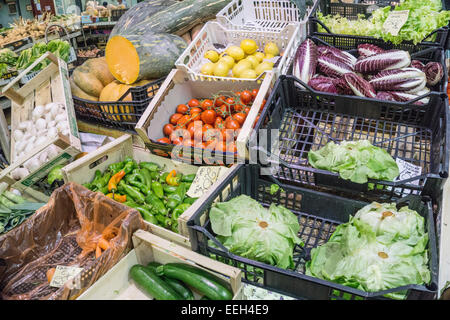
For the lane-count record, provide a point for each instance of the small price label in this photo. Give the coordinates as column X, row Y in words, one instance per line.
column 206, row 176
column 408, row 171
column 395, row 21
column 63, row 274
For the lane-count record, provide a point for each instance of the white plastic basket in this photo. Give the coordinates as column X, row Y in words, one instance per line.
column 262, row 15
column 213, row 34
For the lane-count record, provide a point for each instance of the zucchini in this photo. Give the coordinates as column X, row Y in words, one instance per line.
column 147, row 280
column 209, row 285
column 178, row 286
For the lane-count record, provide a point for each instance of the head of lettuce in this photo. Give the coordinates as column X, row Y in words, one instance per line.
column 249, row 230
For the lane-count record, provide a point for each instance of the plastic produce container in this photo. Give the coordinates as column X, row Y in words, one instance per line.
column 351, row 11
column 318, row 214
column 308, row 120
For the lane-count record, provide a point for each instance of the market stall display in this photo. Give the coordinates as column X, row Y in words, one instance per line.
column 151, row 251
column 319, row 221
column 80, row 219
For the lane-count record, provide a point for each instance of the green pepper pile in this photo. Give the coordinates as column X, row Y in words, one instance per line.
column 159, row 196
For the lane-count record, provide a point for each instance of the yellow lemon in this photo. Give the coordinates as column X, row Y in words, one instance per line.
column 268, row 57
column 248, row 73
column 221, row 69
column 228, row 60
column 271, row 48
column 207, row 68
column 253, row 60
column 235, row 52
column 264, row 66
column 212, row 55
column 240, row 67
column 259, row 56
column 249, row 46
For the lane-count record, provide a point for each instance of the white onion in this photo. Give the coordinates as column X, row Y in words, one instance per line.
column 20, row 146
column 24, row 125
column 60, row 117
column 41, row 124
column 38, row 112
column 52, row 131
column 19, row 173
column 31, row 140
column 32, row 164
column 18, row 135
column 49, row 106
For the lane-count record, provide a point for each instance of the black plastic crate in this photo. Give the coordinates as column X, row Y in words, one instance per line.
column 120, row 115
column 351, row 11
column 117, row 13
column 318, row 214
column 307, row 120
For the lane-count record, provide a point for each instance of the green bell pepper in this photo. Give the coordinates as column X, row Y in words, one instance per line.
column 155, row 175
column 129, row 166
column 133, row 192
column 147, row 175
column 158, row 189
column 174, row 199
column 156, row 203
column 188, row 178
column 138, row 180
column 169, row 189
column 179, row 210
column 189, row 200
column 162, row 178
column 116, row 167
column 150, row 166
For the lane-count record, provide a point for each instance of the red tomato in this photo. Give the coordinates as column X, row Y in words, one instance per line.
column 218, row 102
column 168, row 129
column 238, row 107
column 230, row 102
column 220, row 146
column 262, row 105
column 164, row 140
column 218, row 123
column 246, row 97
column 193, row 103
column 256, row 121
column 254, row 93
column 232, row 124
column 246, row 110
column 195, row 110
column 177, row 141
column 182, row 108
column 195, row 129
column 208, row 116
column 206, row 104
column 240, row 117
column 183, row 121
column 174, row 118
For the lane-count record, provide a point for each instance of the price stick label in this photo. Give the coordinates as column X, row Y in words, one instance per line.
column 408, row 171
column 63, row 274
column 206, row 176
column 395, row 21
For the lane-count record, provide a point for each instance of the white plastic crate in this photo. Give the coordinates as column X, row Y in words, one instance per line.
column 263, row 15
column 213, row 33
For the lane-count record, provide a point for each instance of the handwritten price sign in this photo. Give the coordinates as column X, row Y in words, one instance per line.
column 395, row 21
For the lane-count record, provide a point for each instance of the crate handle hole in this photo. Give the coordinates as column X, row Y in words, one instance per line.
column 99, row 161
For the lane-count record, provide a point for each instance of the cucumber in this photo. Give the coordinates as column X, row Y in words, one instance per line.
column 209, row 285
column 178, row 286
column 147, row 280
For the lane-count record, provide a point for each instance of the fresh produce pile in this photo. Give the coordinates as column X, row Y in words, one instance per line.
column 243, row 61
column 46, row 121
column 159, row 196
column 210, row 123
column 8, row 59
column 378, row 249
column 376, row 73
column 424, row 17
column 95, row 10
column 88, row 53
column 35, row 28
column 14, row 209
column 146, row 41
column 248, row 229
column 355, row 161
column 60, row 48
column 172, row 281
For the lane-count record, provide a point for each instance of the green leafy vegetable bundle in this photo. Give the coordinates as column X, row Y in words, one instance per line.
column 58, row 47
column 379, row 248
column 8, row 60
column 247, row 229
column 355, row 161
column 424, row 17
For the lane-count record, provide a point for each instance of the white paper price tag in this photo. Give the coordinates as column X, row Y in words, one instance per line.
column 395, row 21
column 408, row 171
column 63, row 274
column 206, row 176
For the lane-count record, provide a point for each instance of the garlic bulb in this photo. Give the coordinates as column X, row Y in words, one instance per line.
column 38, row 112
column 41, row 124
column 18, row 135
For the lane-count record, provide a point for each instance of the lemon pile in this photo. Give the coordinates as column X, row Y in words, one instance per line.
column 244, row 61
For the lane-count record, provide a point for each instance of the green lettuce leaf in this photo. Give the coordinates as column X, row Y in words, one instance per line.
column 355, row 161
column 247, row 229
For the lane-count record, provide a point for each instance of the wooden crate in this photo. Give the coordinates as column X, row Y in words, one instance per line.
column 117, row 285
column 27, row 185
column 83, row 171
column 178, row 89
column 50, row 85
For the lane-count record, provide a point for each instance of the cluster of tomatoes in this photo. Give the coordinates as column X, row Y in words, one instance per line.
column 210, row 123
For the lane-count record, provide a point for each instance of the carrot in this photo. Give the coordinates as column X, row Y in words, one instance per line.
column 50, row 273
column 103, row 243
column 98, row 252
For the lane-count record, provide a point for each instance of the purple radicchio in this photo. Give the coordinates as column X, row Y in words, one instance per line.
column 338, row 54
column 384, row 95
column 406, row 79
column 434, row 73
column 367, row 49
column 324, row 84
column 392, row 59
column 342, row 86
column 305, row 61
column 359, row 86
column 332, row 68
column 417, row 64
column 400, row 96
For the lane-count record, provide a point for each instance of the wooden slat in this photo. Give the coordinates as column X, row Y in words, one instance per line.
column 444, row 245
column 43, row 93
